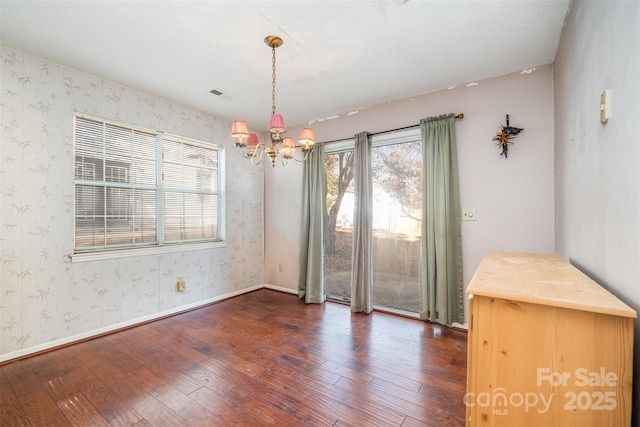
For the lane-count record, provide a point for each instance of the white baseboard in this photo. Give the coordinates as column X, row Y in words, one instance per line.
column 139, row 320
column 460, row 326
column 281, row 289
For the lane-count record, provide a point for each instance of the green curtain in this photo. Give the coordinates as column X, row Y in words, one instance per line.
column 362, row 264
column 311, row 279
column 441, row 254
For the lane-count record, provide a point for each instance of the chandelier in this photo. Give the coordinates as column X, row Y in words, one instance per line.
column 249, row 144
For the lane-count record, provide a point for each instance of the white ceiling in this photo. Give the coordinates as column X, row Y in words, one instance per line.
column 337, row 56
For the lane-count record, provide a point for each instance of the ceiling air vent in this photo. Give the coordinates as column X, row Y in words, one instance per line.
column 215, row 92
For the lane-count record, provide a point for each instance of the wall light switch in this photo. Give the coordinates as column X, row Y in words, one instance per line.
column 469, row 214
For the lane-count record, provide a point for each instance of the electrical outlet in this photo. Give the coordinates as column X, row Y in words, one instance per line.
column 181, row 285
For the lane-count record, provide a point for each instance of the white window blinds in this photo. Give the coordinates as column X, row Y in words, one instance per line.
column 190, row 180
column 137, row 187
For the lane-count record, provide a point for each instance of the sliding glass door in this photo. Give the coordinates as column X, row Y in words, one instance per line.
column 397, row 209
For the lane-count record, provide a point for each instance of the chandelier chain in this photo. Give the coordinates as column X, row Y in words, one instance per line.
column 273, row 80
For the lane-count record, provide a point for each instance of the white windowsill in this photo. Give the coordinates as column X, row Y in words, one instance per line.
column 151, row 250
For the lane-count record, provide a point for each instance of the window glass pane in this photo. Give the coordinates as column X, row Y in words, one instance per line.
column 90, row 216
column 114, row 216
column 119, row 231
column 143, row 171
column 191, row 211
column 88, row 168
column 338, row 226
column 189, row 166
column 144, row 158
column 397, row 212
column 118, row 203
column 89, row 138
column 190, row 216
column 145, row 219
column 117, row 142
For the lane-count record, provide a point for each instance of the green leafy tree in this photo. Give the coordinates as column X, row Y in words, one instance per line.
column 339, row 169
column 398, row 170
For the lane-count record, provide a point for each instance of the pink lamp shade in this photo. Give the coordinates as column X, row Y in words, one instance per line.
column 288, row 148
column 253, row 139
column 306, row 137
column 276, row 125
column 239, row 129
column 288, row 143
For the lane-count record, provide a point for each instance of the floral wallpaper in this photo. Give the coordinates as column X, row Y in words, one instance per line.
column 46, row 299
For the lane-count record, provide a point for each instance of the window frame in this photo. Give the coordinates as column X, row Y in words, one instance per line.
column 160, row 245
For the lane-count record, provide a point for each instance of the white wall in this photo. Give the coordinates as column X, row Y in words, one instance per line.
column 598, row 166
column 513, row 197
column 47, row 300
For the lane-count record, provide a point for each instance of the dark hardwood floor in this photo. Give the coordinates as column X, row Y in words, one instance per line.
column 263, row 358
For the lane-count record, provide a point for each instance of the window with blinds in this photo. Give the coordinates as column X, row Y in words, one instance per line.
column 136, row 187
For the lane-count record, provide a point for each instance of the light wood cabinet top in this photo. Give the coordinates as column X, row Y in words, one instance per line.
column 542, row 279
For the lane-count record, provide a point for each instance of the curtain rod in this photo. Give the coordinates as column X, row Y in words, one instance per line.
column 458, row 116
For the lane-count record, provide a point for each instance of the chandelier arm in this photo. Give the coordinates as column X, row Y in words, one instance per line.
column 257, row 153
column 294, row 157
column 244, row 152
column 263, row 152
column 257, row 156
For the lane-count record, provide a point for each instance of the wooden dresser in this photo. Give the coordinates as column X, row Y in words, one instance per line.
column 547, row 346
